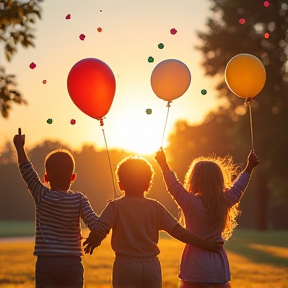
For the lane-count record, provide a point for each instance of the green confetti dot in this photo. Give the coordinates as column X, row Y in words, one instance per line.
column 49, row 121
column 150, row 59
column 148, row 111
column 203, row 92
column 160, row 45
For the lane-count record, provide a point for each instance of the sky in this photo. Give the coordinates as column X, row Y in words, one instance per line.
column 131, row 32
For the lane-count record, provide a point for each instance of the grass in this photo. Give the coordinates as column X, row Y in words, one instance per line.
column 16, row 228
column 257, row 260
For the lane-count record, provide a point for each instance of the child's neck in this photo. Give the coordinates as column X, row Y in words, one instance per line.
column 58, row 188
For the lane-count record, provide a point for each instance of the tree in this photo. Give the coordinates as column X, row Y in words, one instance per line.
column 16, row 20
column 263, row 33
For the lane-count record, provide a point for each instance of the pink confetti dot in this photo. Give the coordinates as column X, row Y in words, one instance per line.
column 242, row 21
column 266, row 4
column 82, row 37
column 32, row 65
column 44, row 81
column 99, row 29
column 68, row 16
column 173, row 31
column 72, row 121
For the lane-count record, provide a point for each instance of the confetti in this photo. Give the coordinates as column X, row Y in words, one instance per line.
column 82, row 37
column 203, row 92
column 68, row 16
column 148, row 111
column 266, row 35
column 49, row 121
column 160, row 45
column 72, row 121
column 150, row 59
column 44, row 81
column 99, row 29
column 242, row 21
column 173, row 31
column 32, row 65
column 266, row 4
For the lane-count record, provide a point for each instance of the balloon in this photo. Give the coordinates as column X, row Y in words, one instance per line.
column 170, row 79
column 245, row 75
column 91, row 85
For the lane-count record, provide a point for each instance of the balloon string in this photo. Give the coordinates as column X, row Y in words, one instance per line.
column 168, row 105
column 115, row 192
column 251, row 125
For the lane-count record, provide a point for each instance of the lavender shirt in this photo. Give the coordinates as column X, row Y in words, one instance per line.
column 198, row 265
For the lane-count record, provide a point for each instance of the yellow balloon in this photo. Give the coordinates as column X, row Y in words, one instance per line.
column 245, row 75
column 170, row 79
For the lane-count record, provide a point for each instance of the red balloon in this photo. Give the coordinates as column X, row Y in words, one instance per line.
column 91, row 85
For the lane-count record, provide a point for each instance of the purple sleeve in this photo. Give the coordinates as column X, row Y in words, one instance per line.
column 235, row 193
column 179, row 194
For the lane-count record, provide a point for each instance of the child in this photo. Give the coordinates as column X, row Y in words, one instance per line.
column 135, row 222
column 58, row 214
column 209, row 203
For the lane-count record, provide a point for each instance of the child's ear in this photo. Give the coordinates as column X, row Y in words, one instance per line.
column 46, row 178
column 73, row 177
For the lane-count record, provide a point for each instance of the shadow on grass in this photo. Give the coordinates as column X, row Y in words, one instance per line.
column 242, row 243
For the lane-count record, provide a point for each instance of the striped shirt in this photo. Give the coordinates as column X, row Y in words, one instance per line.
column 58, row 216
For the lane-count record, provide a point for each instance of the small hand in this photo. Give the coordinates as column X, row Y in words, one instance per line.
column 253, row 160
column 215, row 246
column 19, row 139
column 88, row 248
column 160, row 157
column 90, row 244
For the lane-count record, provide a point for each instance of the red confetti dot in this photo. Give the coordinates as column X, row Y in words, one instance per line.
column 82, row 37
column 44, row 81
column 72, row 121
column 173, row 31
column 68, row 16
column 242, row 21
column 266, row 3
column 32, row 65
column 99, row 29
column 266, row 35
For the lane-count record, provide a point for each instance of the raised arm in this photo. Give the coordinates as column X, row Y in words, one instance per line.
column 19, row 142
column 236, row 192
column 175, row 188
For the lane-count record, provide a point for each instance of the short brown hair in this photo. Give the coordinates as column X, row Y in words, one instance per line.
column 135, row 172
column 59, row 166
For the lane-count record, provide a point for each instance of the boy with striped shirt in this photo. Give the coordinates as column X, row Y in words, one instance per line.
column 58, row 214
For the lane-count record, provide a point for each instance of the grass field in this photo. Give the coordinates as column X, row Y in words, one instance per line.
column 257, row 260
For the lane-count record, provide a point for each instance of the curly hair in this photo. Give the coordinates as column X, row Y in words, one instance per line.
column 210, row 177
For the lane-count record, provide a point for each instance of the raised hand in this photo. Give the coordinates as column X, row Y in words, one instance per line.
column 19, row 139
column 252, row 162
column 160, row 157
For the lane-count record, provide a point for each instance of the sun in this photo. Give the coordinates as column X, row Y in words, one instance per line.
column 143, row 133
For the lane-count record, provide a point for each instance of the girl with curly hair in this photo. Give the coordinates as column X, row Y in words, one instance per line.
column 209, row 200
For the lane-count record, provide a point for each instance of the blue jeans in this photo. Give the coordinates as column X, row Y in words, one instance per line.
column 59, row 272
